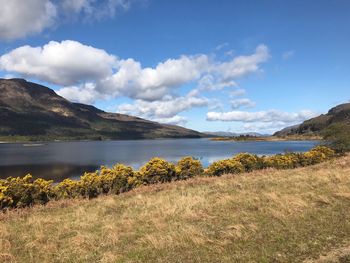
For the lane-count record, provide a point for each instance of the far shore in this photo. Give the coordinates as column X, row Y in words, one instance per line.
column 269, row 138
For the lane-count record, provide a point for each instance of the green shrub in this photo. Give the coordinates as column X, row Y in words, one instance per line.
column 157, row 171
column 337, row 136
column 115, row 180
column 188, row 167
column 227, row 166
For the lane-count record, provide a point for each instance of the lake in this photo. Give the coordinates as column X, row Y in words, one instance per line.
column 60, row 160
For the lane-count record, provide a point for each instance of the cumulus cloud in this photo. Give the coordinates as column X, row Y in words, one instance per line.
column 72, row 65
column 87, row 74
column 84, row 94
column 175, row 120
column 133, row 81
column 63, row 63
column 243, row 65
column 244, row 102
column 166, row 108
column 20, row 18
column 261, row 116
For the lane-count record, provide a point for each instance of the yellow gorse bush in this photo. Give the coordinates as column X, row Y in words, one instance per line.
column 228, row 166
column 157, row 170
column 68, row 188
column 188, row 167
column 25, row 191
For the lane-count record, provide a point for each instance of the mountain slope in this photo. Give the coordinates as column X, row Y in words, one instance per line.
column 37, row 112
column 338, row 114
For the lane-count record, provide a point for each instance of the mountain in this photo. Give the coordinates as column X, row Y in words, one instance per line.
column 338, row 114
column 36, row 112
column 235, row 134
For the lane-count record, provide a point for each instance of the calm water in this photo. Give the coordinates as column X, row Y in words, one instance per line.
column 59, row 160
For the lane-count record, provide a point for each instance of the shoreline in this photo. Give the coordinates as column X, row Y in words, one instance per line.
column 267, row 139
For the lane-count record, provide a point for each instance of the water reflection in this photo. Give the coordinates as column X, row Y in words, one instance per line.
column 56, row 172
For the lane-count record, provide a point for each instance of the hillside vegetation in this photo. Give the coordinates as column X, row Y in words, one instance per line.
column 29, row 111
column 339, row 115
column 265, row 216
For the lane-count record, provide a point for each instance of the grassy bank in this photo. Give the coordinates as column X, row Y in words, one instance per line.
column 264, row 216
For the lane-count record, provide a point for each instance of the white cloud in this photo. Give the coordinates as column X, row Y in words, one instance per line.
column 63, row 63
column 266, row 127
column 244, row 102
column 94, row 8
column 133, row 81
column 243, row 65
column 261, row 116
column 237, row 93
column 208, row 82
column 166, row 108
column 84, row 94
column 175, row 120
column 20, row 18
column 88, row 74
column 288, row 54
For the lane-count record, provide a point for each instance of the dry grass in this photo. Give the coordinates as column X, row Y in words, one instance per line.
column 266, row 216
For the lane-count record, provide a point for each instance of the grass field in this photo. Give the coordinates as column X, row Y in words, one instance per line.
column 300, row 215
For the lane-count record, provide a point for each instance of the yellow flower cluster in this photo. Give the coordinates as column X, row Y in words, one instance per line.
column 245, row 162
column 25, row 191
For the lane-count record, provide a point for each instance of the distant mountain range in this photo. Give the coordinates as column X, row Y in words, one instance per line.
column 338, row 114
column 235, row 134
column 36, row 112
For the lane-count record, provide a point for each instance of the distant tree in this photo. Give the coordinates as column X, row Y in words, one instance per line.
column 337, row 136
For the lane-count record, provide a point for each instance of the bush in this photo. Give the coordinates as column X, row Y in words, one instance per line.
column 24, row 191
column 283, row 161
column 91, row 185
column 227, row 166
column 328, row 152
column 136, row 180
column 68, row 189
column 115, row 180
column 249, row 161
column 157, row 171
column 188, row 167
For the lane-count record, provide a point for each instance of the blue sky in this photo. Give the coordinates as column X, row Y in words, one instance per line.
column 211, row 66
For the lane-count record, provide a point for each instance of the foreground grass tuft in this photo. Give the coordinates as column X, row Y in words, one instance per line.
column 264, row 216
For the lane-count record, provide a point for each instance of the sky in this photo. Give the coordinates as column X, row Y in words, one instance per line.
column 226, row 65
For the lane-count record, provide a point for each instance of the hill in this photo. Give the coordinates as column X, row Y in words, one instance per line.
column 266, row 216
column 35, row 112
column 338, row 114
